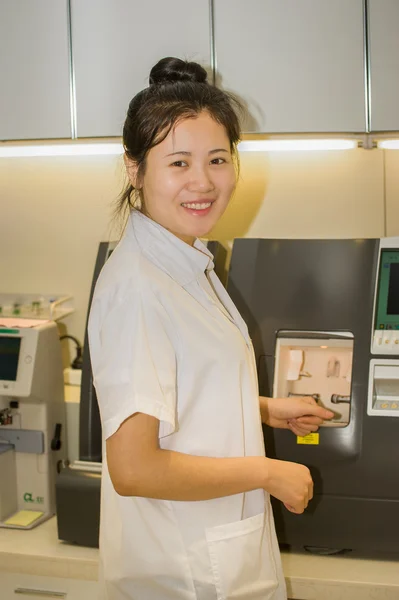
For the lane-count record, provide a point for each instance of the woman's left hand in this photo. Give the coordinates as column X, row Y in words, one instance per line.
column 301, row 415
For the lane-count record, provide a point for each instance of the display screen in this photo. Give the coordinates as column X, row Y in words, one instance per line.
column 393, row 290
column 387, row 314
column 9, row 356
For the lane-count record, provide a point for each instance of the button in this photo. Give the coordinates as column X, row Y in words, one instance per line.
column 385, row 405
column 394, row 405
column 28, row 359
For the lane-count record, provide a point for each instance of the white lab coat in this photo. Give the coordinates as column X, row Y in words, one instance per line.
column 166, row 340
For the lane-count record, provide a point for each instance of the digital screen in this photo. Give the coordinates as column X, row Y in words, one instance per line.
column 387, row 313
column 9, row 356
column 393, row 290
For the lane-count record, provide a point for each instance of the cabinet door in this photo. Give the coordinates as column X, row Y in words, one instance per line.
column 34, row 70
column 384, row 55
column 298, row 65
column 116, row 42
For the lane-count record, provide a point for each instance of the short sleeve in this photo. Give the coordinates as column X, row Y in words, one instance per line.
column 133, row 360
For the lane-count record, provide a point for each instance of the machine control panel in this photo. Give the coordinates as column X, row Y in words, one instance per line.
column 384, row 405
column 385, row 338
column 386, row 342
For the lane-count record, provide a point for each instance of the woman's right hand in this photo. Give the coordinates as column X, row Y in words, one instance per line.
column 291, row 483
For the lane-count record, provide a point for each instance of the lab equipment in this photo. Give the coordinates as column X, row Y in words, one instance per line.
column 337, row 302
column 32, row 421
column 35, row 306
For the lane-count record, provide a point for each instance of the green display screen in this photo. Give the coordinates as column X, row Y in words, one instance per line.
column 9, row 356
column 387, row 313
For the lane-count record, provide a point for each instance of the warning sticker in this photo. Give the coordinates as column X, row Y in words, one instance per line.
column 311, row 439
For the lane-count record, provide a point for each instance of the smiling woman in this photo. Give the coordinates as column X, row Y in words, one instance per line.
column 182, row 133
column 189, row 177
column 185, row 510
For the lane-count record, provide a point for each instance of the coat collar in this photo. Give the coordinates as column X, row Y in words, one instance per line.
column 186, row 265
column 182, row 262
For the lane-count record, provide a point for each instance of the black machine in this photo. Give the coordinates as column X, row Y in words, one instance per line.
column 78, row 486
column 324, row 319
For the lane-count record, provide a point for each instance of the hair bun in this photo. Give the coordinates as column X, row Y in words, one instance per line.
column 171, row 70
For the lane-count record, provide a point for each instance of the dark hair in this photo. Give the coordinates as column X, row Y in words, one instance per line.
column 177, row 90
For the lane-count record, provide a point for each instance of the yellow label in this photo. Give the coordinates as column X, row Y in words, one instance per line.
column 311, row 438
column 24, row 518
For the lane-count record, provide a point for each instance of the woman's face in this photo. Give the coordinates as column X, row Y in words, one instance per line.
column 189, row 178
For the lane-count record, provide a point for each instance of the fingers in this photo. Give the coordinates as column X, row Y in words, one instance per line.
column 293, row 485
column 316, row 410
column 322, row 413
column 302, row 506
column 293, row 510
column 309, row 420
column 310, row 491
column 300, row 430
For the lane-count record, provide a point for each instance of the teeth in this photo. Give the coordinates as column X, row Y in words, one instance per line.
column 197, row 206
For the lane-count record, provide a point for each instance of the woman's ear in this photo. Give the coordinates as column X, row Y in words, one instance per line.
column 131, row 170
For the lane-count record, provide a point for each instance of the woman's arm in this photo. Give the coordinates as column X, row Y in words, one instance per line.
column 139, row 467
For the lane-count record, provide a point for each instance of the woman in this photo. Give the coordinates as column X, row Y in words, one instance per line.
column 185, row 485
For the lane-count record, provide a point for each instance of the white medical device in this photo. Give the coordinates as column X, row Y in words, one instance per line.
column 32, row 422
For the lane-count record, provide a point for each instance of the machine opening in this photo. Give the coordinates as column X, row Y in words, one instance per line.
column 316, row 365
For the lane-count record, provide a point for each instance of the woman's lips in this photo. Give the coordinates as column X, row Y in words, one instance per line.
column 198, row 208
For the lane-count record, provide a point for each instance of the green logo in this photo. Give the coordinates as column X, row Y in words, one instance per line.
column 29, row 498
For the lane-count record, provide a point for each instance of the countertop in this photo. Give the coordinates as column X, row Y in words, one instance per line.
column 308, row 577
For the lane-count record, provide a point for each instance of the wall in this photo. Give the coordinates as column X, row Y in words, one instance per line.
column 55, row 211
column 392, row 192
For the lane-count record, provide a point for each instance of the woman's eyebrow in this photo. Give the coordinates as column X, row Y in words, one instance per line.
column 185, row 153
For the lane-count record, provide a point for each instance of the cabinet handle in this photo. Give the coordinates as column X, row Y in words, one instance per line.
column 46, row 593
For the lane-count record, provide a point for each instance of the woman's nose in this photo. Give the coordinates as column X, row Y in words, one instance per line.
column 200, row 180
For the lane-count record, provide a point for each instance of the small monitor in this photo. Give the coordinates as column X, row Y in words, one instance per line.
column 9, row 357
column 387, row 312
column 17, row 359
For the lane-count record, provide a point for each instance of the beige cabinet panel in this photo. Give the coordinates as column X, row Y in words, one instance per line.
column 392, row 192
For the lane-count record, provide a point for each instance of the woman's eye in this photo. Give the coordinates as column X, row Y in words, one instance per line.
column 179, row 163
column 218, row 161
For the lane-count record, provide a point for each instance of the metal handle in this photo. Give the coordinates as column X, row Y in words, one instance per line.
column 337, row 399
column 46, row 593
column 304, row 395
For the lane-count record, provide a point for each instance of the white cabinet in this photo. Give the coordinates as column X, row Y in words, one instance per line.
column 116, row 42
column 384, row 62
column 298, row 65
column 33, row 587
column 34, row 70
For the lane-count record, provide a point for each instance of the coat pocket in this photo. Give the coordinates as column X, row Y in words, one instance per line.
column 242, row 559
